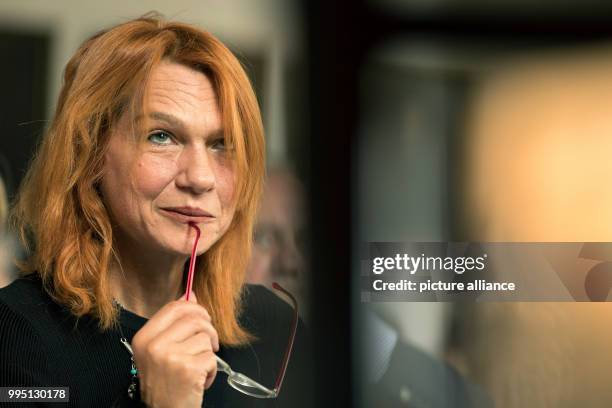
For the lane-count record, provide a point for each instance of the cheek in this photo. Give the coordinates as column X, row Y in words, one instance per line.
column 226, row 183
column 151, row 175
column 115, row 182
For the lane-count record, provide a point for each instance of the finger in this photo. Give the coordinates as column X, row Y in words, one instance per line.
column 192, row 297
column 197, row 344
column 187, row 327
column 209, row 364
column 165, row 317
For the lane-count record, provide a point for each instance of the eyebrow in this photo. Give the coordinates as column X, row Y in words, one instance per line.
column 172, row 121
column 169, row 119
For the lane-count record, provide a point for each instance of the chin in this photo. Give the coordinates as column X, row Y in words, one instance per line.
column 186, row 250
column 176, row 252
column 178, row 247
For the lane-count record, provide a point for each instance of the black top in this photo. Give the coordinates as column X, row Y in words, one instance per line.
column 42, row 344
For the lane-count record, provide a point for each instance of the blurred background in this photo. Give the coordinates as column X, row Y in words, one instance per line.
column 388, row 120
column 488, row 121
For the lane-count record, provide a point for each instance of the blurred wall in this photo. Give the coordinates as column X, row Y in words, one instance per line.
column 538, row 149
column 402, row 186
column 495, row 141
column 537, row 169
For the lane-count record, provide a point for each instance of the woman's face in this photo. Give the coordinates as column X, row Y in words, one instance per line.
column 178, row 171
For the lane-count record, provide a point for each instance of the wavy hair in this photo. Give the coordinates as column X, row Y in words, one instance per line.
column 59, row 213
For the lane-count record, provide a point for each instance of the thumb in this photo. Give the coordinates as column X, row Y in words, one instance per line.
column 192, row 297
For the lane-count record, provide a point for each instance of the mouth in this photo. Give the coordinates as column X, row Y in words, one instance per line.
column 188, row 214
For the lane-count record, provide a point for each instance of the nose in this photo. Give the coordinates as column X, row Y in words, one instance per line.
column 195, row 171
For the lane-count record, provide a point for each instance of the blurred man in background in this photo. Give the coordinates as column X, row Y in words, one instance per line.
column 280, row 234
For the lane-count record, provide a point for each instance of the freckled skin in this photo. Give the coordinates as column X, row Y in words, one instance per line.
column 186, row 167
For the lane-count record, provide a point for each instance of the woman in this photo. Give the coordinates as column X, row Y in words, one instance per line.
column 156, row 129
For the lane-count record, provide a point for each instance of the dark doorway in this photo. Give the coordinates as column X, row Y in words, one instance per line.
column 23, row 78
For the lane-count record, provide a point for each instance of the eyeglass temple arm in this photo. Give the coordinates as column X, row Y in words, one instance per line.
column 281, row 374
column 223, row 366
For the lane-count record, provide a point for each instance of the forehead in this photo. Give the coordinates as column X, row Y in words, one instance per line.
column 183, row 92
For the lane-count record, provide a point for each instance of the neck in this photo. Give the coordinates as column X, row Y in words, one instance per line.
column 145, row 280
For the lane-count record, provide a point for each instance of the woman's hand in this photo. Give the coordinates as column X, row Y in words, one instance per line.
column 174, row 354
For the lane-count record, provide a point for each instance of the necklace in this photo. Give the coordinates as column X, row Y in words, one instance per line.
column 133, row 388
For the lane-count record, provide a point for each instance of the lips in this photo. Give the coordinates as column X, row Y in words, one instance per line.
column 188, row 214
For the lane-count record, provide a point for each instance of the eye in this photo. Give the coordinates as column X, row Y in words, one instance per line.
column 218, row 144
column 160, row 137
column 265, row 237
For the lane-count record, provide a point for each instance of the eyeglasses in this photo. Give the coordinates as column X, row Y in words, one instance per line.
column 248, row 386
